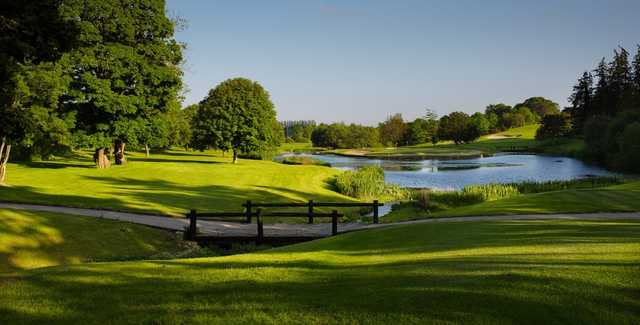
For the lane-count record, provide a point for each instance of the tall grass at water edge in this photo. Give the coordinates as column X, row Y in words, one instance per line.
column 473, row 194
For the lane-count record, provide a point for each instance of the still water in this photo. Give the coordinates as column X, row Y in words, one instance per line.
column 455, row 174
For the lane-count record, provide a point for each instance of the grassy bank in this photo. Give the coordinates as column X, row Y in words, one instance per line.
column 38, row 239
column 568, row 272
column 617, row 198
column 168, row 183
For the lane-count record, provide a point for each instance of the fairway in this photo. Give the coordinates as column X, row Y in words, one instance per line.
column 474, row 272
column 169, row 183
column 31, row 239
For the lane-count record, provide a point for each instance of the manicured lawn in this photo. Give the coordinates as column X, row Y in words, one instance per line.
column 169, row 183
column 537, row 272
column 37, row 239
column 617, row 198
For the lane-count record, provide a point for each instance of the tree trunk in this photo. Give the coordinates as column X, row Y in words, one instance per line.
column 235, row 156
column 5, row 150
column 119, row 152
column 146, row 150
column 101, row 159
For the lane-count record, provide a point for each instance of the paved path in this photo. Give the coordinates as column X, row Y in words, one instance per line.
column 234, row 229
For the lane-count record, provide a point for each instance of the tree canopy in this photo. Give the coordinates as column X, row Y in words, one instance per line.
column 237, row 115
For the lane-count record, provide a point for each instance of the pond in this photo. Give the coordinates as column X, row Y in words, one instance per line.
column 455, row 174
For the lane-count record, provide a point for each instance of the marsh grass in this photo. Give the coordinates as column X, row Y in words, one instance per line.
column 474, row 194
column 303, row 160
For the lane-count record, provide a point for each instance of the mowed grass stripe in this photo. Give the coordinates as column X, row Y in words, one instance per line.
column 569, row 272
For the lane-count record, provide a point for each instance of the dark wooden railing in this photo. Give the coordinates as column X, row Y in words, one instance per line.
column 194, row 216
column 310, row 205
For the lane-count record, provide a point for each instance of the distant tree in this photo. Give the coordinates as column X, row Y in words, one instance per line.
column 481, row 123
column 430, row 115
column 540, row 106
column 458, row 128
column 496, row 115
column 180, row 126
column 416, row 132
column 237, row 115
column 554, row 126
column 392, row 130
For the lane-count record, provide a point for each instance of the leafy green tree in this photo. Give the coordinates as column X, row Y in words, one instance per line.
column 125, row 72
column 237, row 115
column 392, row 130
column 481, row 123
column 554, row 126
column 540, row 106
column 458, row 128
column 30, row 32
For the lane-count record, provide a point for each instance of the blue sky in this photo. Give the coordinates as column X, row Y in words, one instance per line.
column 359, row 61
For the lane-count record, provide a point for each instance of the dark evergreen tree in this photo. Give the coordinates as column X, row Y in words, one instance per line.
column 581, row 102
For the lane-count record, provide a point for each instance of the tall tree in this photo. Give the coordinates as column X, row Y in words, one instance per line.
column 601, row 97
column 237, row 115
column 30, row 32
column 458, row 128
column 620, row 86
column 125, row 71
column 581, row 102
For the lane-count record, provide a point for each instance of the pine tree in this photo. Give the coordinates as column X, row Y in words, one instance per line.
column 581, row 100
column 620, row 86
column 601, row 93
column 636, row 80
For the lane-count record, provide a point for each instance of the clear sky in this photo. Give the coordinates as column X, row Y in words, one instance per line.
column 359, row 61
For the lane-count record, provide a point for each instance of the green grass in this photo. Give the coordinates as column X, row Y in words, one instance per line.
column 617, row 198
column 169, row 183
column 537, row 272
column 37, row 239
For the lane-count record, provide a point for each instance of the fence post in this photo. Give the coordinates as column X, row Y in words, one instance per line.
column 193, row 228
column 260, row 238
column 310, row 212
column 334, row 223
column 248, row 211
column 375, row 211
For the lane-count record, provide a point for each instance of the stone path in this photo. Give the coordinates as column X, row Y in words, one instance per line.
column 234, row 229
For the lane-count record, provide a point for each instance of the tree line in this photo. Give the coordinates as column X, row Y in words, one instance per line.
column 605, row 112
column 458, row 127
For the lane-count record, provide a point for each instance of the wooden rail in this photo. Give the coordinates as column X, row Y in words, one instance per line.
column 249, row 205
column 194, row 216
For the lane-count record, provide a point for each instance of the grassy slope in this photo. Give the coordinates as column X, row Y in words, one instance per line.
column 168, row 183
column 493, row 272
column 618, row 198
column 37, row 239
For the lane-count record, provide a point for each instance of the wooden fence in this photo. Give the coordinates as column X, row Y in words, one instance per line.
column 194, row 216
column 310, row 205
column 254, row 209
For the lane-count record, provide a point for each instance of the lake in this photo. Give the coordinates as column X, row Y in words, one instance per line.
column 455, row 174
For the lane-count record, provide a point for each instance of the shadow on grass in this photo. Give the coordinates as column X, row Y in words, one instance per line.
column 481, row 288
column 172, row 160
column 31, row 239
